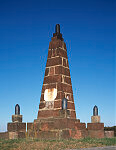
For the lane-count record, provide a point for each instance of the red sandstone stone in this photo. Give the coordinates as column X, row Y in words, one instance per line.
column 54, row 61
column 61, row 52
column 18, row 126
column 73, row 114
column 67, row 64
column 56, row 43
column 95, row 130
column 48, row 113
column 70, row 106
column 46, row 71
column 62, row 70
column 80, row 126
column 53, row 52
column 96, row 134
column 72, row 98
column 41, row 105
column 52, row 70
column 67, row 80
column 47, row 134
column 64, row 87
column 95, row 126
column 60, row 95
column 52, row 79
column 64, row 62
column 49, row 53
column 58, row 104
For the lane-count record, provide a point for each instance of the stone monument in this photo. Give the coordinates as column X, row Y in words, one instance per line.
column 56, row 116
column 16, row 128
column 95, row 128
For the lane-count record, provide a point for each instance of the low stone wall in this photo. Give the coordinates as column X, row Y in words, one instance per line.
column 16, row 130
column 58, row 128
column 109, row 134
column 111, row 129
column 4, row 135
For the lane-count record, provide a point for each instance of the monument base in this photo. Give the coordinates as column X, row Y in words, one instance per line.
column 16, row 118
column 63, row 127
column 16, row 130
column 95, row 130
column 95, row 119
column 57, row 128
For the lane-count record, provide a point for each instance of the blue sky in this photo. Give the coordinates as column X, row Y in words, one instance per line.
column 26, row 28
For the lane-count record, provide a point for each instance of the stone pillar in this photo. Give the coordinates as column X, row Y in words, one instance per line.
column 95, row 118
column 16, row 128
column 95, row 128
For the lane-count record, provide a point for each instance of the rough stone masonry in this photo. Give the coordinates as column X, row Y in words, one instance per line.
column 57, row 81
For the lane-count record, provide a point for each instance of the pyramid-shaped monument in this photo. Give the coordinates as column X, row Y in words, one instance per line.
column 56, row 117
column 57, row 81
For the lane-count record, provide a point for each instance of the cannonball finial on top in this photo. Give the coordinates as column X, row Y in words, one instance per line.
column 57, row 33
column 57, row 28
column 95, row 111
column 17, row 109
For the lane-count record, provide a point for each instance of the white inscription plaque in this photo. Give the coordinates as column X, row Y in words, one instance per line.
column 50, row 94
column 49, row 97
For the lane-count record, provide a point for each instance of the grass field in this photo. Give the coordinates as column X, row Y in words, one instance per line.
column 36, row 144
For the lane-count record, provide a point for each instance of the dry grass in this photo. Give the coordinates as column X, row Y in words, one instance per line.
column 36, row 144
